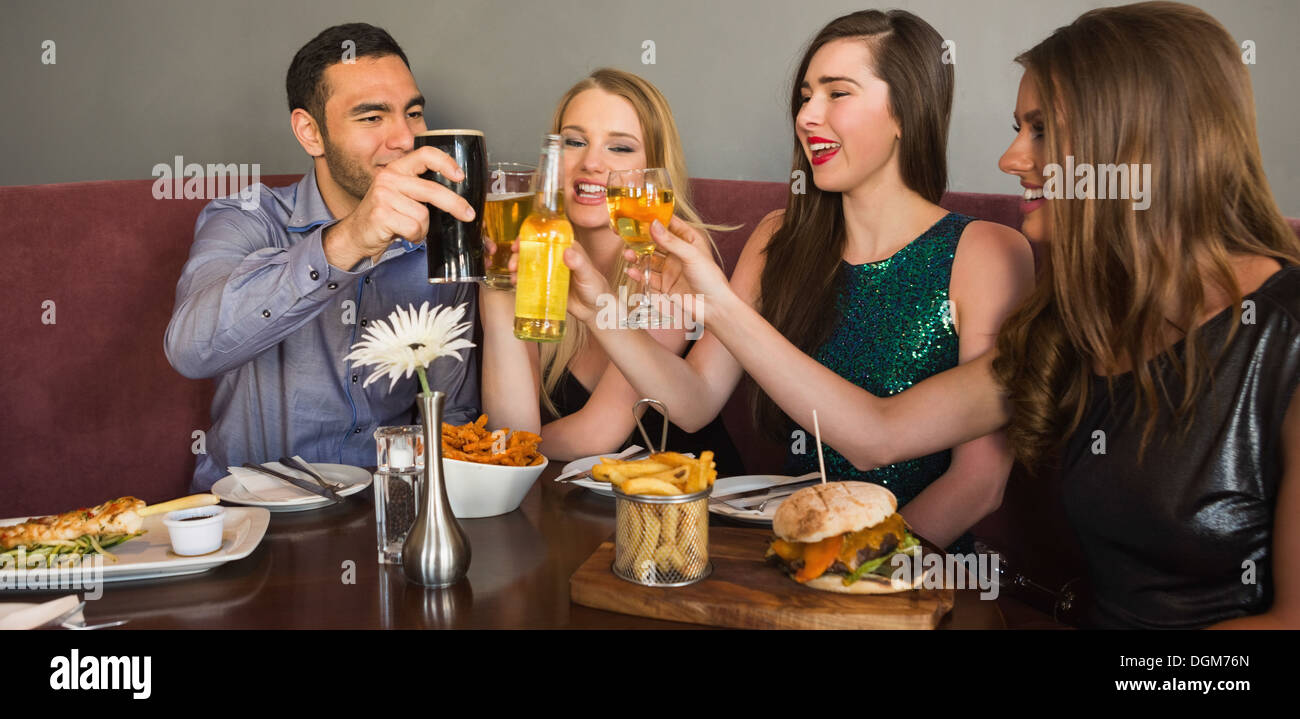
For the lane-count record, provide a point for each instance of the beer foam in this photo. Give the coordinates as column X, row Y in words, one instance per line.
column 496, row 197
column 434, row 133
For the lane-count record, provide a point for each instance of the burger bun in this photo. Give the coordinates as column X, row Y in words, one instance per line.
column 825, row 510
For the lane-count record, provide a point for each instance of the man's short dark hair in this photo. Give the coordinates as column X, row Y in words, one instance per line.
column 305, row 83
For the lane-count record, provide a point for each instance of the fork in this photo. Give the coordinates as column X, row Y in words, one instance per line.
column 87, row 627
column 761, row 505
column 293, row 463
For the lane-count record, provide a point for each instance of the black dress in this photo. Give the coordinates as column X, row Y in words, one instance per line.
column 570, row 396
column 1184, row 539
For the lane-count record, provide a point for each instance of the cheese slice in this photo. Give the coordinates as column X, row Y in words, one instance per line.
column 868, row 538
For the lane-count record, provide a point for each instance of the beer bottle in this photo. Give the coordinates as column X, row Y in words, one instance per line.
column 542, row 289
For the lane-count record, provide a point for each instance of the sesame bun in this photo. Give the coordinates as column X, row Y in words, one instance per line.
column 825, row 510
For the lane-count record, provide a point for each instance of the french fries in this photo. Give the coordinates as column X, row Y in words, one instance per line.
column 664, row 474
column 473, row 442
column 650, row 485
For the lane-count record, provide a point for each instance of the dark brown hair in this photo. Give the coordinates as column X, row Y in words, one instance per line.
column 305, row 85
column 1156, row 83
column 799, row 280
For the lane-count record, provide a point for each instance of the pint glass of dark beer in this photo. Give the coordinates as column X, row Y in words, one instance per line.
column 455, row 247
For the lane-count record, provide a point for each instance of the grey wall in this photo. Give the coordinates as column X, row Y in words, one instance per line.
column 137, row 82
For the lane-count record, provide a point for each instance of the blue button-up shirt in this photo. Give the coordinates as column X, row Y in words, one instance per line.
column 259, row 308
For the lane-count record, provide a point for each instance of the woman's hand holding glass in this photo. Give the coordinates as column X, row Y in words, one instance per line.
column 690, row 277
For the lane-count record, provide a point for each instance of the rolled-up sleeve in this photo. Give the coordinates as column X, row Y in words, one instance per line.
column 240, row 293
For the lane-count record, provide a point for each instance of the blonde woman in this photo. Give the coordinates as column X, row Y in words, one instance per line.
column 610, row 120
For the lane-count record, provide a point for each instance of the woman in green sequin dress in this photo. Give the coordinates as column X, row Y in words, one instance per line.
column 862, row 283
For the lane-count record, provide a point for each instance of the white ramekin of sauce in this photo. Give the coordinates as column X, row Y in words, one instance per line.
column 195, row 531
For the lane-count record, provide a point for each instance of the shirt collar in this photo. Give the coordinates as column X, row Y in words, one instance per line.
column 309, row 210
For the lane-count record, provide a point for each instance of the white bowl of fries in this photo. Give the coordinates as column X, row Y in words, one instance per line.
column 486, row 490
column 488, row 472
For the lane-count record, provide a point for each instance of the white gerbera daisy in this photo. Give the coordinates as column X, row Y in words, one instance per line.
column 414, row 340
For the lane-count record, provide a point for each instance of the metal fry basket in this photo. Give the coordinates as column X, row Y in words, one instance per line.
column 662, row 541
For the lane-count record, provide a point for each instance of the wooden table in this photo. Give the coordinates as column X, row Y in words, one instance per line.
column 317, row 570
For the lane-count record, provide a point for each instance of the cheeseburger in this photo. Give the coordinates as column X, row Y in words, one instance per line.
column 840, row 537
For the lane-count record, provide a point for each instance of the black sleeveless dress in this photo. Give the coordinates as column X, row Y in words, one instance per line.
column 1184, row 538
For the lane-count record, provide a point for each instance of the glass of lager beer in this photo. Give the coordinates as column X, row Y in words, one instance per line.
column 509, row 200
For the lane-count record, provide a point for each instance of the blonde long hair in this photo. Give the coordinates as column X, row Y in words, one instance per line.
column 1156, row 83
column 663, row 148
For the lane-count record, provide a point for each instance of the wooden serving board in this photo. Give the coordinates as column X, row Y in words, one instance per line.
column 747, row 593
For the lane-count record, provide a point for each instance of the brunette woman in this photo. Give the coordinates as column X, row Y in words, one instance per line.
column 863, row 285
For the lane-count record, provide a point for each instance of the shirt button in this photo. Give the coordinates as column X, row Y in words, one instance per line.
column 354, row 378
column 363, row 321
column 367, row 279
column 356, row 431
column 333, row 285
column 266, row 313
column 315, row 275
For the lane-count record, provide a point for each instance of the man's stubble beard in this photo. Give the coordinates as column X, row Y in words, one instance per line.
column 346, row 172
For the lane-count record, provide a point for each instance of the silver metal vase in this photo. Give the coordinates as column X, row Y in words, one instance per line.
column 436, row 552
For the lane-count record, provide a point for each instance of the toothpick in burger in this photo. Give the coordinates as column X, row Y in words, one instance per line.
column 842, row 537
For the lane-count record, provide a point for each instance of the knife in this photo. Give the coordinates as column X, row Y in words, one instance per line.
column 754, row 503
column 295, row 481
column 798, row 482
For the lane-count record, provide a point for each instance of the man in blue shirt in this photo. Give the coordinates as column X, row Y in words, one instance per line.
column 272, row 298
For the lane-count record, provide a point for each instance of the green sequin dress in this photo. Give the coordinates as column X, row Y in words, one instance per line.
column 894, row 330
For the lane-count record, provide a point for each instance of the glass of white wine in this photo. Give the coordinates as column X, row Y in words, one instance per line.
column 636, row 198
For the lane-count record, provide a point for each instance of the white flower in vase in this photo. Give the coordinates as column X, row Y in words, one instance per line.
column 410, row 341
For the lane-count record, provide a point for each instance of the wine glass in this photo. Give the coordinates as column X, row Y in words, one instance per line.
column 636, row 198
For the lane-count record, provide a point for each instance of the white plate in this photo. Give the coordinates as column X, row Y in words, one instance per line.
column 150, row 555
column 734, row 485
column 357, row 479
column 586, row 463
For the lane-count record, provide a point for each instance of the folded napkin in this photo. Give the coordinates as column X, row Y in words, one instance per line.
column 31, row 617
column 269, row 489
